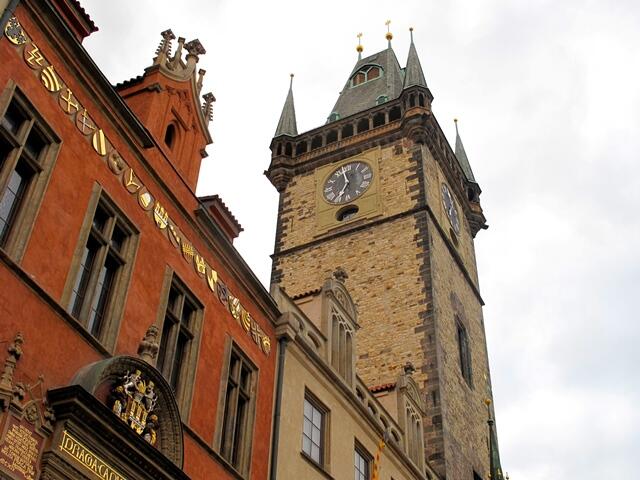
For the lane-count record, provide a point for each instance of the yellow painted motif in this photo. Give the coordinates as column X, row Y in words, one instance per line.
column 200, row 264
column 145, row 200
column 234, row 306
column 187, row 251
column 161, row 216
column 49, row 79
column 67, row 102
column 99, row 142
column 115, row 163
column 33, row 57
column 212, row 279
column 14, row 32
column 129, row 181
column 84, row 122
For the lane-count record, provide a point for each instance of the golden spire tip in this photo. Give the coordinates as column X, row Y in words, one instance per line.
column 389, row 35
column 359, row 48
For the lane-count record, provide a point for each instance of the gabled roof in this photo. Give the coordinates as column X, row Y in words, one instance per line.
column 461, row 155
column 287, row 124
column 361, row 97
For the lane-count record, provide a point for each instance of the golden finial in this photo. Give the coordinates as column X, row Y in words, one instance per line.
column 487, row 401
column 411, row 33
column 389, row 35
column 455, row 120
column 359, row 48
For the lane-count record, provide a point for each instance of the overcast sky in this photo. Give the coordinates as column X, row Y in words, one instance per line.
column 547, row 94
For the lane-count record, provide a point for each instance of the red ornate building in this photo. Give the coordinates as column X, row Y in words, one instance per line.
column 136, row 342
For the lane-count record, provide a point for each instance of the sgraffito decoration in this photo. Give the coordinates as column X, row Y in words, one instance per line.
column 50, row 79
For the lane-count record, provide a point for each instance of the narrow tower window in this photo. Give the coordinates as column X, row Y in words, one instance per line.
column 170, row 136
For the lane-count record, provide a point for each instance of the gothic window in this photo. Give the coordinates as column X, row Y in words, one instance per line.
column 464, row 352
column 366, row 74
column 177, row 356
column 27, row 153
column 362, row 463
column 102, row 268
column 314, row 429
column 378, row 119
column 414, row 435
column 341, row 347
column 238, row 408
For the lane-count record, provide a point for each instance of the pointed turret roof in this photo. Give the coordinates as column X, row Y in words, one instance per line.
column 287, row 124
column 494, row 455
column 354, row 99
column 413, row 74
column 461, row 155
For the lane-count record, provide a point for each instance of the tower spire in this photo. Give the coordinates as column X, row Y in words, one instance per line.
column 494, row 456
column 461, row 155
column 287, row 124
column 359, row 48
column 413, row 75
column 389, row 35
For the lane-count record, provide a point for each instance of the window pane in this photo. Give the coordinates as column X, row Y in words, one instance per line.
column 100, row 219
column 35, row 143
column 10, row 200
column 306, row 445
column 101, row 296
column 178, row 359
column 13, row 118
column 82, row 279
column 315, row 453
column 164, row 342
column 118, row 238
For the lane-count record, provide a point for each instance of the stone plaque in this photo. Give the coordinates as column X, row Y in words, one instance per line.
column 20, row 448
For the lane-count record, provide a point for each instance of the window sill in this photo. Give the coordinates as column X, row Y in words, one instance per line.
column 318, row 467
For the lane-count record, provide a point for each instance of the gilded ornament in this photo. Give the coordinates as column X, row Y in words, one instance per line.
column 266, row 345
column 234, row 306
column 67, row 101
column 188, row 251
column 160, row 216
column 84, row 122
column 212, row 278
column 14, row 32
column 245, row 320
column 130, row 181
column 200, row 264
column 132, row 400
column 50, row 80
column 174, row 236
column 145, row 200
column 99, row 142
column 33, row 57
column 223, row 292
column 115, row 162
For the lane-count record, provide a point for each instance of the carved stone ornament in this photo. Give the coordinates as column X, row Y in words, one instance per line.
column 133, row 400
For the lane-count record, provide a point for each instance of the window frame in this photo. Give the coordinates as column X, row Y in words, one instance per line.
column 318, row 406
column 243, row 464
column 363, row 453
column 183, row 390
column 464, row 352
column 22, row 219
column 125, row 256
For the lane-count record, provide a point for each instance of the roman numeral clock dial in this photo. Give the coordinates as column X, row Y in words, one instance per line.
column 348, row 182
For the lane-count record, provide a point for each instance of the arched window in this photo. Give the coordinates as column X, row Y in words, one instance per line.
column 341, row 347
column 366, row 74
column 170, row 135
column 464, row 352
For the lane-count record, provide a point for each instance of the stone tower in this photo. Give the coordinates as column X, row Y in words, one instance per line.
column 378, row 191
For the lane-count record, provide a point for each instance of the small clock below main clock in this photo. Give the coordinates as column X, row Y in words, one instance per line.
column 347, row 182
column 450, row 207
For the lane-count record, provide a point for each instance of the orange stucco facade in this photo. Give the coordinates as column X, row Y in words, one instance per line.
column 33, row 285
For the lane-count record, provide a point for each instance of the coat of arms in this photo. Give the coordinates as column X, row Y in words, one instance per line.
column 134, row 400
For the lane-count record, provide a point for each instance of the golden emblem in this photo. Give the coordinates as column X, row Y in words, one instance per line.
column 33, row 57
column 50, row 80
column 133, row 401
column 14, row 32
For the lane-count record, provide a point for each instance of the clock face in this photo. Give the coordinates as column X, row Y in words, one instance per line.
column 347, row 182
column 450, row 208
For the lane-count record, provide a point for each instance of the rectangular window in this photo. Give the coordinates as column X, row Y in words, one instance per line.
column 27, row 153
column 177, row 357
column 104, row 263
column 464, row 352
column 362, row 463
column 313, row 429
column 239, row 404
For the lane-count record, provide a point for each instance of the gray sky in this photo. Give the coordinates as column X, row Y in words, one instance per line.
column 549, row 107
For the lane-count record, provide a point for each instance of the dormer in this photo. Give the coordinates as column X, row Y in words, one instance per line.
column 166, row 100
column 366, row 74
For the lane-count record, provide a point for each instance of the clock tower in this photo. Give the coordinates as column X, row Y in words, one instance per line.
column 378, row 191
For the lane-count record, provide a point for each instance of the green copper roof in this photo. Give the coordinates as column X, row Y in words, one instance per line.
column 287, row 124
column 461, row 155
column 413, row 71
column 361, row 97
